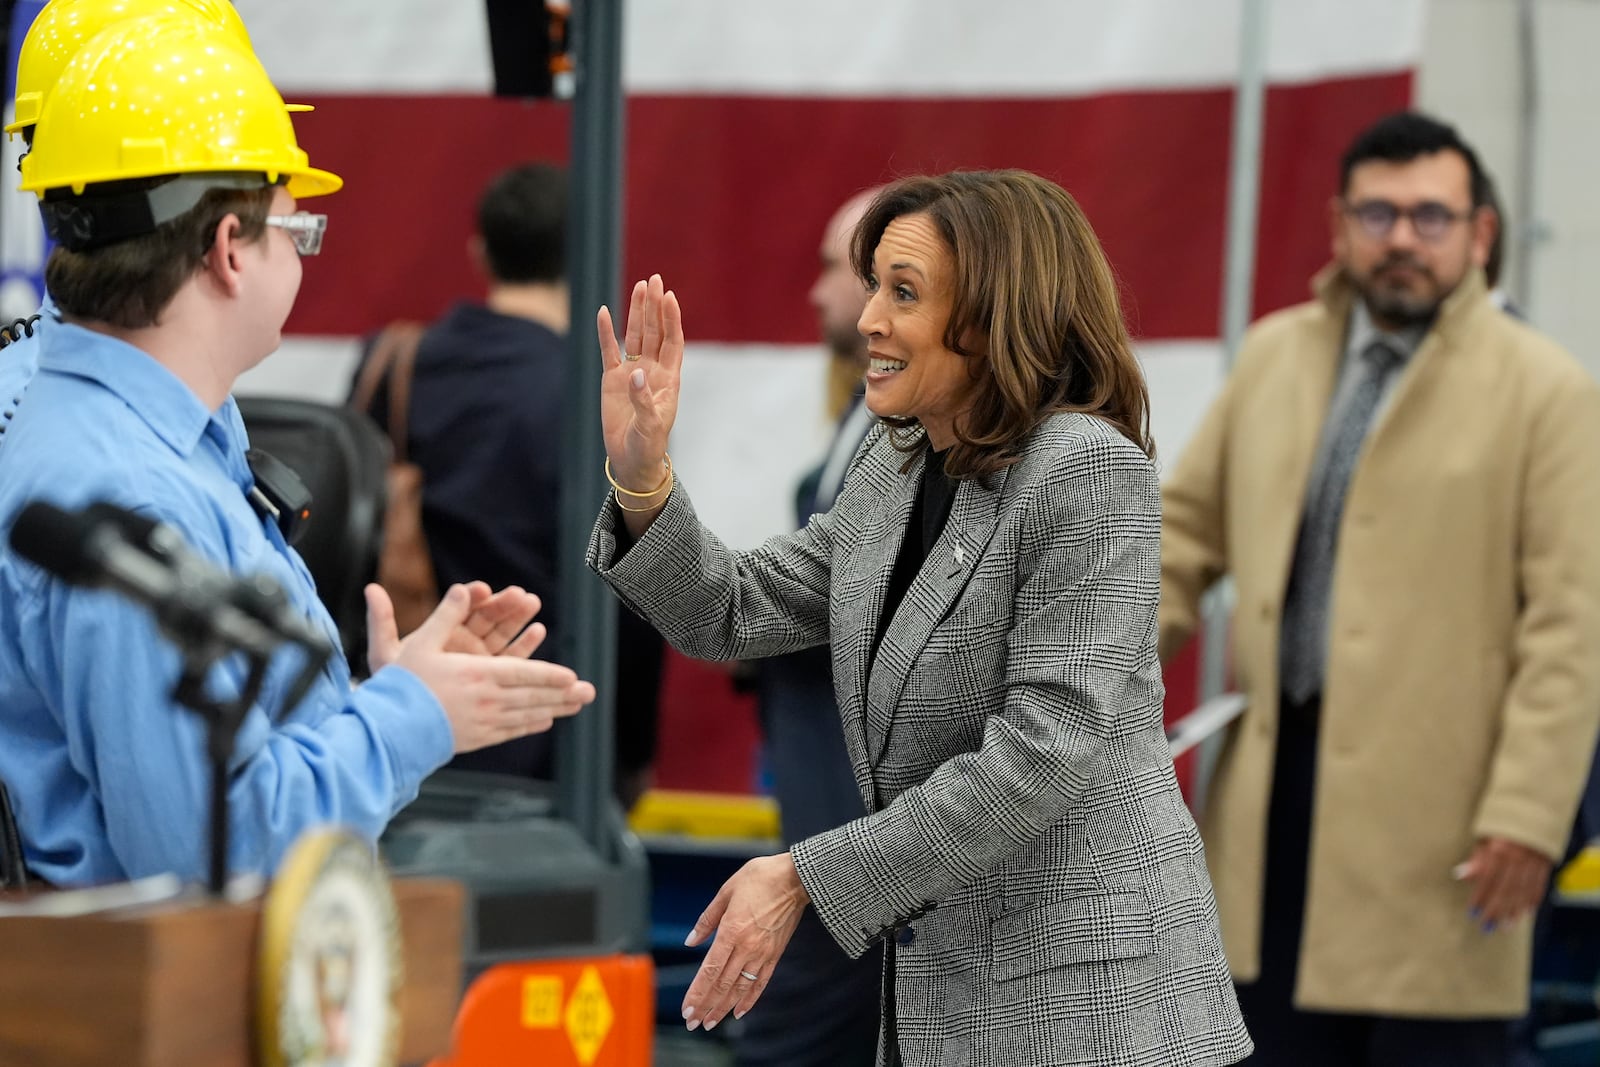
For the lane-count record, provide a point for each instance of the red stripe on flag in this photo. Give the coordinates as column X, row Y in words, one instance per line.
column 413, row 167
column 726, row 197
column 1308, row 128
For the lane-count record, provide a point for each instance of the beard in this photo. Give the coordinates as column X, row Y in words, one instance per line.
column 845, row 341
column 1400, row 306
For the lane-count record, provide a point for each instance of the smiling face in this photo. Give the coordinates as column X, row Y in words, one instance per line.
column 911, row 373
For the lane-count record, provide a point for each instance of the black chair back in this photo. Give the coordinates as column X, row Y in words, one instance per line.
column 342, row 457
column 13, row 873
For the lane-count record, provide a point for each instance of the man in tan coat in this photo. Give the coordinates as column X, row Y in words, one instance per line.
column 1404, row 485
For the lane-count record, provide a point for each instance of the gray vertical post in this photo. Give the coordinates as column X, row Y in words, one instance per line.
column 1244, row 177
column 584, row 745
column 1532, row 229
column 1239, row 271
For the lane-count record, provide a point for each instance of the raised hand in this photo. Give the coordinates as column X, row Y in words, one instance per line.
column 487, row 698
column 639, row 388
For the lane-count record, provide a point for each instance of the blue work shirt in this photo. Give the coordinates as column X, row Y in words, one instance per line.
column 19, row 359
column 108, row 774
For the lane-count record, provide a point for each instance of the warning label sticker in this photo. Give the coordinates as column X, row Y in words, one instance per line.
column 541, row 1002
column 589, row 1016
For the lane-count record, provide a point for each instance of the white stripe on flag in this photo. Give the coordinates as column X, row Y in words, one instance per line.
column 1183, row 378
column 1027, row 48
column 311, row 368
column 751, row 421
column 373, row 47
column 937, row 48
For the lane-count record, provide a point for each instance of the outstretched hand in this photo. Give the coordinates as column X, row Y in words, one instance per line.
column 486, row 698
column 639, row 385
column 753, row 916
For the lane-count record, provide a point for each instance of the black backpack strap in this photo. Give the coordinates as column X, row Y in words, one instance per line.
column 393, row 356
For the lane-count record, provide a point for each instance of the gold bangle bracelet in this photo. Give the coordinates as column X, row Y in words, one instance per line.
column 666, row 482
column 638, row 511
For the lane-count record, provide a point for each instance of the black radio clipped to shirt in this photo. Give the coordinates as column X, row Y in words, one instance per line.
column 279, row 494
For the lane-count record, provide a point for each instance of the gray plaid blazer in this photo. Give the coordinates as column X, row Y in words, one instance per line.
column 1026, row 845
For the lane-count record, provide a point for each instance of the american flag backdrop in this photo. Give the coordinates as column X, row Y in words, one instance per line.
column 749, row 121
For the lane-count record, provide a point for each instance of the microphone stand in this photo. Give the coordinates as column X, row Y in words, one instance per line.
column 223, row 719
column 207, row 613
column 190, row 624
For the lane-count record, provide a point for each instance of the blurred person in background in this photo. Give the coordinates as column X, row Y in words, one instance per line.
column 484, row 425
column 1401, row 481
column 822, row 1006
column 987, row 579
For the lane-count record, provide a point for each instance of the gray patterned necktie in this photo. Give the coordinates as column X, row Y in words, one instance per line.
column 1305, row 610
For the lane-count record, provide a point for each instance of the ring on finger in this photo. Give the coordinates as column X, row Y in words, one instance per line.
column 636, row 357
column 749, row 977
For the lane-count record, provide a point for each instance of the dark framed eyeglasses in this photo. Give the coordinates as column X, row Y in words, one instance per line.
column 1431, row 219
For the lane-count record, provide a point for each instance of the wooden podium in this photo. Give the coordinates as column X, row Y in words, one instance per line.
column 174, row 983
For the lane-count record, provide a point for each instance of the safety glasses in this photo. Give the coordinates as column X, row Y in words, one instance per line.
column 303, row 228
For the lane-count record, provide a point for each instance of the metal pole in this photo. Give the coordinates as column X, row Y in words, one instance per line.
column 1244, row 177
column 584, row 744
column 1532, row 230
column 1239, row 271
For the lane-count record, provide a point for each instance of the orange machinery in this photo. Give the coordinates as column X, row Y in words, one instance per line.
column 585, row 1012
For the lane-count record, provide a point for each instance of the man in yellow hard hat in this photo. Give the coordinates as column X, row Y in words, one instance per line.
column 55, row 36
column 168, row 173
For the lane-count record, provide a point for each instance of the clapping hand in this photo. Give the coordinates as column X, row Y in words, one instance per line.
column 488, row 698
column 497, row 624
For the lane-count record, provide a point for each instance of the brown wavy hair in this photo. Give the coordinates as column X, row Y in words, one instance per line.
column 1035, row 311
column 129, row 284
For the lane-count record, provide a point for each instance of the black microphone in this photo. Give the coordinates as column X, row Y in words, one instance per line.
column 204, row 609
column 256, row 595
column 195, row 602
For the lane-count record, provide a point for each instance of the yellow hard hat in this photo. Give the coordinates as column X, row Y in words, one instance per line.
column 65, row 25
column 159, row 96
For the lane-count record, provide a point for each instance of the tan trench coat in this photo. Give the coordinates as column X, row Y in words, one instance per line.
column 1463, row 673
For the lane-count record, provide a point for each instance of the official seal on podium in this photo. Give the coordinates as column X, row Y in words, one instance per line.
column 329, row 967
